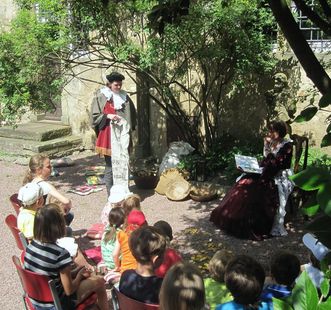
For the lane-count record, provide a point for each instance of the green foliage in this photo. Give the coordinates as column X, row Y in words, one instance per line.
column 306, row 114
column 220, row 158
column 321, row 228
column 326, row 141
column 304, row 296
column 325, row 101
column 217, row 40
column 316, row 179
column 316, row 158
column 29, row 67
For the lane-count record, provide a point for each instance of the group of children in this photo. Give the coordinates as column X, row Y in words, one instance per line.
column 139, row 261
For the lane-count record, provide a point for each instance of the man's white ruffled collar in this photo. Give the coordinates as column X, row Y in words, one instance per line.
column 118, row 99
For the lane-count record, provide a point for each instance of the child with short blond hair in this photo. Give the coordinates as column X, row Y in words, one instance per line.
column 216, row 291
column 31, row 197
column 131, row 203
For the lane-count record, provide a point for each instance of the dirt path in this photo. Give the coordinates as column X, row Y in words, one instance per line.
column 195, row 237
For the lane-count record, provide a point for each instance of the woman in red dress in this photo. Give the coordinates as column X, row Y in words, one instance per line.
column 252, row 209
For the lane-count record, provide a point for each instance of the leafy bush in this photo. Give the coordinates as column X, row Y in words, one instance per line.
column 220, row 158
column 317, row 158
column 305, row 296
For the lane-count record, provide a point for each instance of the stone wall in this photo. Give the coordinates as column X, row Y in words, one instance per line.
column 7, row 12
column 77, row 98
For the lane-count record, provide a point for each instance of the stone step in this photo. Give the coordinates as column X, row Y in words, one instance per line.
column 37, row 131
column 53, row 148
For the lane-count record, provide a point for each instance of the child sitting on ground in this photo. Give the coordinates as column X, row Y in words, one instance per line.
column 132, row 202
column 317, row 252
column 44, row 256
column 284, row 269
column 147, row 247
column 244, row 278
column 216, row 291
column 116, row 220
column 31, row 197
column 182, row 288
column 134, row 220
column 171, row 256
column 117, row 195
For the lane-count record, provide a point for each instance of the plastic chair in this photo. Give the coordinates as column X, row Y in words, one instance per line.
column 122, row 302
column 41, row 288
column 21, row 242
column 15, row 203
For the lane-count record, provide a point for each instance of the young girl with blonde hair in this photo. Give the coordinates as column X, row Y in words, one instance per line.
column 39, row 171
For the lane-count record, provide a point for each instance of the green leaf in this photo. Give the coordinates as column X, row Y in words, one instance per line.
column 306, row 115
column 328, row 129
column 311, row 178
column 325, row 305
column 324, row 198
column 310, row 210
column 321, row 228
column 326, row 141
column 304, row 294
column 325, row 101
column 280, row 304
column 325, row 287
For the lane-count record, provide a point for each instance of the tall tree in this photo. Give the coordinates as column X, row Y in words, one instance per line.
column 321, row 17
column 164, row 41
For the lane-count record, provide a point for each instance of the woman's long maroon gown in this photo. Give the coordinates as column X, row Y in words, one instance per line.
column 248, row 209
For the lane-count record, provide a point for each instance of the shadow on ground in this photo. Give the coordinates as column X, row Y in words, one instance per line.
column 201, row 239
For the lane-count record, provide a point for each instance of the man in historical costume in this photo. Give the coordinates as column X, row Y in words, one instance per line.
column 113, row 118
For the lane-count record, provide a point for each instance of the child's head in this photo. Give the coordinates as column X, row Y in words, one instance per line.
column 116, row 219
column 317, row 250
column 218, row 263
column 39, row 165
column 117, row 195
column 31, row 196
column 49, row 224
column 285, row 268
column 131, row 203
column 134, row 220
column 182, row 288
column 244, row 278
column 147, row 245
column 164, row 229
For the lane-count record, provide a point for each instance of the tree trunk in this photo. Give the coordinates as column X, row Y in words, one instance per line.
column 143, row 148
column 299, row 45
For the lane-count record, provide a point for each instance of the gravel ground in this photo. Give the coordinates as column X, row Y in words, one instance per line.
column 194, row 236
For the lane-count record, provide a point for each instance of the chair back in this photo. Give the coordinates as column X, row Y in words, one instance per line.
column 15, row 203
column 34, row 285
column 11, row 221
column 122, row 302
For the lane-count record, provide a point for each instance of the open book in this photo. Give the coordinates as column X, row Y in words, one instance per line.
column 248, row 164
